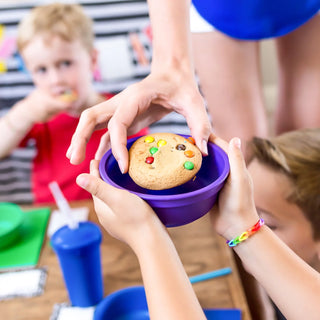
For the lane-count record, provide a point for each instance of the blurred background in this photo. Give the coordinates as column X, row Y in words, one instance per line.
column 123, row 40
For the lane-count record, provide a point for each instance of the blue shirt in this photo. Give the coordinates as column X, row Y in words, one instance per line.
column 256, row 19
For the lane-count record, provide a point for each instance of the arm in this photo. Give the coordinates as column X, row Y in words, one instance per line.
column 17, row 122
column 164, row 277
column 171, row 86
column 288, row 280
column 171, row 35
column 14, row 126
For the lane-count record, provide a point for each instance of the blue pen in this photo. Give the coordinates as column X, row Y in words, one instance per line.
column 210, row 275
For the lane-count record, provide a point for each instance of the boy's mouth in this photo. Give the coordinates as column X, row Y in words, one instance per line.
column 68, row 95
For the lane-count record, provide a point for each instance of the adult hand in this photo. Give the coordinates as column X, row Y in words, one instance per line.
column 137, row 107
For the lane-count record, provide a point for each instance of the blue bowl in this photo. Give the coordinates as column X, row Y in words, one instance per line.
column 128, row 303
column 131, row 304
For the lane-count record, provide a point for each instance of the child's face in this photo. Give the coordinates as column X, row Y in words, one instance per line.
column 286, row 219
column 58, row 66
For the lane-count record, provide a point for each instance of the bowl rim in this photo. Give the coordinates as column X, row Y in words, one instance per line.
column 222, row 177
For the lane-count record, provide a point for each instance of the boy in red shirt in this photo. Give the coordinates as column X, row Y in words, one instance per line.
column 56, row 43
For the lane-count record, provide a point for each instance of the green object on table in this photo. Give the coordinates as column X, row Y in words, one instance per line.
column 25, row 251
column 11, row 218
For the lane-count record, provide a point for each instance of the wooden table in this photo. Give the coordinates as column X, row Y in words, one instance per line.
column 200, row 249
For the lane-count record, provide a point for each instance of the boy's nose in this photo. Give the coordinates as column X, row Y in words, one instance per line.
column 55, row 76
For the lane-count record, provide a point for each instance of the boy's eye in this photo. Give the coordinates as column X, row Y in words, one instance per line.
column 66, row 63
column 272, row 226
column 41, row 70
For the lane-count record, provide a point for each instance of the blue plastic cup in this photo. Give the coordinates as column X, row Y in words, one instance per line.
column 78, row 251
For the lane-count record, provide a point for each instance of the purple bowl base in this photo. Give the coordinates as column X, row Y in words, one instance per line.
column 179, row 216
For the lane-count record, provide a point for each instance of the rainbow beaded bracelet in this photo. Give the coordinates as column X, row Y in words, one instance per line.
column 245, row 235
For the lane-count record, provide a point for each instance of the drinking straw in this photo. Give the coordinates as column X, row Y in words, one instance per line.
column 210, row 275
column 63, row 204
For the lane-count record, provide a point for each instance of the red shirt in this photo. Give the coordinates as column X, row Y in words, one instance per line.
column 51, row 164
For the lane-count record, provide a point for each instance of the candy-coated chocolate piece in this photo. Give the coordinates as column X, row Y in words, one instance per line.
column 162, row 143
column 149, row 160
column 192, row 140
column 149, row 139
column 181, row 147
column 153, row 150
column 188, row 165
column 189, row 154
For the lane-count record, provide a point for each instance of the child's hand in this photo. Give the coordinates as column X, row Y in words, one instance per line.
column 42, row 106
column 235, row 211
column 124, row 215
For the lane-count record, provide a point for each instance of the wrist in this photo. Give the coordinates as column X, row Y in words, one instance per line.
column 148, row 238
column 240, row 225
column 172, row 63
column 22, row 115
column 246, row 234
column 17, row 124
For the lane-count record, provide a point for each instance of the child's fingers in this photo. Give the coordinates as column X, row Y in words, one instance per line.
column 236, row 160
column 219, row 142
column 98, row 188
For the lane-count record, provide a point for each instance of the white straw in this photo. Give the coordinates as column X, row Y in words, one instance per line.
column 62, row 204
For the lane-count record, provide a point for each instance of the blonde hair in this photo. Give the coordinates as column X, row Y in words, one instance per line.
column 297, row 155
column 68, row 21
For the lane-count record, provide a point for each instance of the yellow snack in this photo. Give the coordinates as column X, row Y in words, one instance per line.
column 68, row 96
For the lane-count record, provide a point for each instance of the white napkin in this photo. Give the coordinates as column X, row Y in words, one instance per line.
column 58, row 220
column 26, row 283
column 65, row 312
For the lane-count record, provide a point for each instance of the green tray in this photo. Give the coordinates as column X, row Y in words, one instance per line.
column 25, row 251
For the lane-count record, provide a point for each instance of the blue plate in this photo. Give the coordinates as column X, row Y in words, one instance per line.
column 131, row 304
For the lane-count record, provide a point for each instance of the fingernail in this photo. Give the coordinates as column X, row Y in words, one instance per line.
column 237, row 143
column 121, row 166
column 71, row 158
column 68, row 152
column 204, row 147
column 82, row 182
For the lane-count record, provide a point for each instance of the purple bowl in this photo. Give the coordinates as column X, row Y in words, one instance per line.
column 182, row 204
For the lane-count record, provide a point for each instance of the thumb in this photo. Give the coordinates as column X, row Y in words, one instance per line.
column 236, row 159
column 235, row 154
column 93, row 185
column 238, row 171
column 98, row 188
